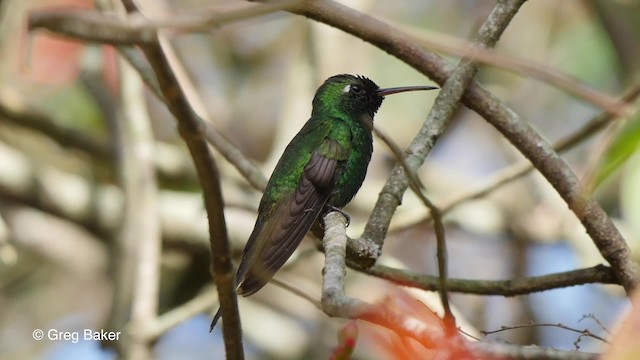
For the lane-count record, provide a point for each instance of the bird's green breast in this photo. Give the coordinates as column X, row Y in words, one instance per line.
column 355, row 168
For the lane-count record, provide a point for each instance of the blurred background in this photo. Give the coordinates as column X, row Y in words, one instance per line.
column 61, row 198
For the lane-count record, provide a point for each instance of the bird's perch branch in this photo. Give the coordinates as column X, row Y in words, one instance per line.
column 335, row 302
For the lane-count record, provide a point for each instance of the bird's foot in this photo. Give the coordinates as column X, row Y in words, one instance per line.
column 346, row 216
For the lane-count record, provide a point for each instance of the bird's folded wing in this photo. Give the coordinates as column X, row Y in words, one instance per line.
column 290, row 221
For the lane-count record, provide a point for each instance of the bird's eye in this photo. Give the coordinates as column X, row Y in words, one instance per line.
column 356, row 89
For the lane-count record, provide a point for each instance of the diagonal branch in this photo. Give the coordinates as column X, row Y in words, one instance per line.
column 518, row 170
column 226, row 148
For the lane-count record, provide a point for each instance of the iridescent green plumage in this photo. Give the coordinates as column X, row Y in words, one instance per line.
column 321, row 169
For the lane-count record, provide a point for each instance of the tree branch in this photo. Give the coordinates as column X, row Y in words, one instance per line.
column 518, row 286
column 226, row 148
column 518, row 170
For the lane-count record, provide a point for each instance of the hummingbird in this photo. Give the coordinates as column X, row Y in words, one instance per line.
column 320, row 170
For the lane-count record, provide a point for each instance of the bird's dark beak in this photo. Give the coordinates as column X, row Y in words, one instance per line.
column 395, row 90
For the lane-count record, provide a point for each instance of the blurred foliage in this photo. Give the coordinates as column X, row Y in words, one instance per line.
column 73, row 106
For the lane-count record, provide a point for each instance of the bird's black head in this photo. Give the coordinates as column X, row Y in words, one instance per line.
column 347, row 95
column 353, row 96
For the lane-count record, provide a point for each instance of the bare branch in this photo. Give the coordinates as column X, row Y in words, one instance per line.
column 334, row 300
column 513, row 287
column 583, row 332
column 94, row 26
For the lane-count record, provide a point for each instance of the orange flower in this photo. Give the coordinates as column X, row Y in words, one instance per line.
column 405, row 328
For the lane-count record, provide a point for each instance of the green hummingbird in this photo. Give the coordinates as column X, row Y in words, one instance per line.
column 321, row 169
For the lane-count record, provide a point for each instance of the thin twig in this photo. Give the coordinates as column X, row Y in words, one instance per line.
column 199, row 304
column 597, row 321
column 295, row 291
column 584, row 332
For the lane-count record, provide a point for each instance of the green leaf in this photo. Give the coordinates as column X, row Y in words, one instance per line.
column 621, row 149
